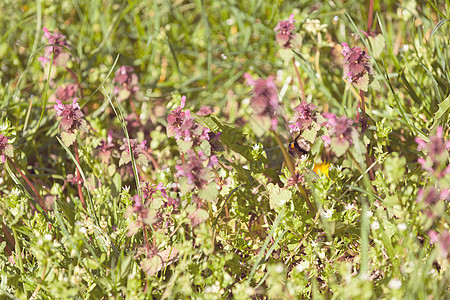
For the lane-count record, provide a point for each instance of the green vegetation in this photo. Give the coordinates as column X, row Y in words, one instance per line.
column 224, row 149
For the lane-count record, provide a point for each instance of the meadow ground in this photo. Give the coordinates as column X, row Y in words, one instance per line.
column 224, row 149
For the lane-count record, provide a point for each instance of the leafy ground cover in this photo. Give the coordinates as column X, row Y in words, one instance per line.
column 224, row 149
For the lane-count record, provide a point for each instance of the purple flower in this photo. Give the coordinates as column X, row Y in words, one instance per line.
column 137, row 150
column 430, row 196
column 71, row 116
column 205, row 110
column 176, row 118
column 357, row 67
column 341, row 129
column 443, row 240
column 265, row 97
column 105, row 148
column 193, row 169
column 285, row 34
column 182, row 126
column 305, row 114
column 127, row 82
column 436, row 159
column 67, row 92
column 60, row 57
column 6, row 150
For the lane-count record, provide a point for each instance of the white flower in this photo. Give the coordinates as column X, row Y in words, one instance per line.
column 375, row 225
column 369, row 213
column 48, row 237
column 256, row 147
column 328, row 213
column 4, row 126
column 15, row 192
column 402, row 226
column 279, row 268
column 350, row 206
column 335, row 18
column 395, row 284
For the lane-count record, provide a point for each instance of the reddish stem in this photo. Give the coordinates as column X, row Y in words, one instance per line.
column 300, row 82
column 80, row 191
column 75, row 78
column 370, row 19
column 39, row 198
column 8, row 236
column 363, row 108
column 152, row 159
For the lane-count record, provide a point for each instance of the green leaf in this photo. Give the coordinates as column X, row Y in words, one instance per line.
column 259, row 125
column 184, row 186
column 339, row 147
column 438, row 25
column 441, row 116
column 184, row 146
column 231, row 136
column 278, row 196
column 124, row 158
column 68, row 138
column 286, row 55
column 310, row 135
column 151, row 266
column 210, row 192
column 142, row 160
column 363, row 83
column 206, row 147
column 9, row 150
column 377, row 44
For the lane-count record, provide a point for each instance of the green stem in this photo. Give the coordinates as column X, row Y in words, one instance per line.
column 291, row 168
column 80, row 191
column 300, row 82
column 18, row 251
column 39, row 198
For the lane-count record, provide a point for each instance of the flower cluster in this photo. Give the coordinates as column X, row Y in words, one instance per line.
column 66, row 92
column 137, row 150
column 105, row 148
column 6, row 150
column 71, row 116
column 195, row 169
column 443, row 240
column 436, row 160
column 196, row 143
column 127, row 83
column 151, row 207
column 182, row 126
column 304, row 116
column 285, row 32
column 340, row 129
column 357, row 67
column 265, row 98
column 340, row 133
column 60, row 57
column 430, row 196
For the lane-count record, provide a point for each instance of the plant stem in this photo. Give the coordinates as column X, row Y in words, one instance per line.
column 8, row 235
column 287, row 158
column 300, row 82
column 75, row 78
column 80, row 191
column 18, row 251
column 363, row 108
column 370, row 18
column 39, row 198
column 290, row 165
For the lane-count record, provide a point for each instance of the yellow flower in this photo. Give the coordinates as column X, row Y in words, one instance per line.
column 322, row 167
